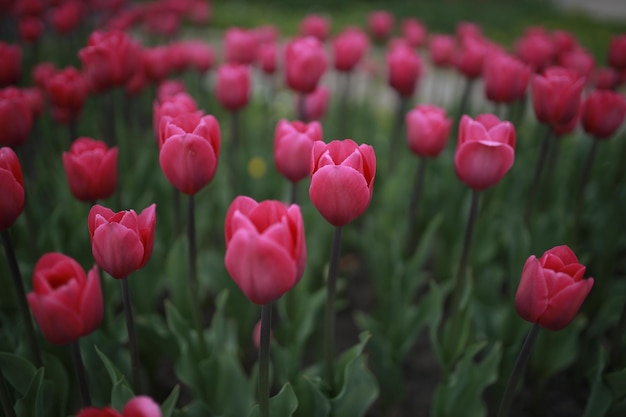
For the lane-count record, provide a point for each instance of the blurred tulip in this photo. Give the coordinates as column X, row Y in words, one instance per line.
column 603, row 112
column 414, row 32
column 42, row 72
column 563, row 41
column 578, row 60
column 316, row 26
column 240, row 46
column 67, row 17
column 342, row 179
column 441, row 49
column 506, row 78
column 11, row 68
column 189, row 150
column 557, row 95
column 316, row 103
column 34, row 97
column 404, row 68
column 66, row 303
column 267, row 34
column 485, row 151
column 140, row 406
column 466, row 29
column 305, row 63
column 91, row 169
column 156, row 62
column 30, row 28
column 552, row 288
column 265, row 247
column 67, row 91
column 121, row 242
column 380, row 24
column 233, row 85
column 293, row 142
column 605, row 78
column 199, row 55
column 267, row 57
column 200, row 12
column 470, row 57
column 536, row 49
column 349, row 47
column 16, row 117
column 428, row 129
column 617, row 52
column 564, row 129
column 170, row 88
column 11, row 188
column 29, row 7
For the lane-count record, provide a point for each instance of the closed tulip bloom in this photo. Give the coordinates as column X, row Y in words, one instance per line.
column 349, row 47
column 293, row 142
column 315, row 25
column 485, row 150
column 404, row 67
column 11, row 68
column 66, row 302
column 190, row 151
column 471, row 56
column 563, row 41
column 605, row 78
column 305, row 63
column 91, row 169
column 552, row 288
column 67, row 16
column 428, row 129
column 121, row 242
column 67, row 91
column 34, row 97
column 42, row 72
column 199, row 55
column 380, row 24
column 466, row 29
column 267, row 57
column 603, row 112
column 156, row 62
column 506, row 78
column 16, row 117
column 233, row 85
column 265, row 247
column 536, row 49
column 172, row 106
column 141, row 406
column 414, row 32
column 316, row 103
column 267, row 34
column 342, row 179
column 441, row 49
column 617, row 52
column 240, row 46
column 557, row 95
column 11, row 188
column 569, row 127
column 30, row 28
column 578, row 60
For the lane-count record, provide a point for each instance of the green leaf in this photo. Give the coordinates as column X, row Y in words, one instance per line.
column 312, row 402
column 555, row 351
column 170, row 402
column 18, row 371
column 234, row 394
column 30, row 405
column 600, row 396
column 115, row 375
column 282, row 404
column 55, row 386
column 616, row 381
column 121, row 391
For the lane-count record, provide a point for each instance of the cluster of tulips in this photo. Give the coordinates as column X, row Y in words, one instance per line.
column 265, row 241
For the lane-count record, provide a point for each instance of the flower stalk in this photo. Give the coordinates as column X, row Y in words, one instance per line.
column 329, row 328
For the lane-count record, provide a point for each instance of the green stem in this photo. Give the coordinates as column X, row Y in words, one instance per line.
column 264, row 360
column 411, row 240
column 234, row 145
column 177, row 216
column 538, row 169
column 18, row 284
column 616, row 340
column 518, row 368
column 467, row 92
column 72, row 130
column 401, row 109
column 5, row 398
column 302, row 116
column 132, row 336
column 585, row 179
column 81, row 375
column 345, row 97
column 294, row 192
column 194, row 287
column 329, row 329
column 460, row 283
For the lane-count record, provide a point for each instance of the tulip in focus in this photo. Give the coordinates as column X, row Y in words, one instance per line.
column 404, row 68
column 316, row 26
column 265, row 247
column 342, row 179
column 349, row 48
column 428, row 129
column 485, row 150
column 189, row 150
column 233, row 85
column 121, row 242
column 11, row 188
column 91, row 169
column 293, row 142
column 16, row 117
column 552, row 288
column 603, row 112
column 66, row 303
column 305, row 63
column 557, row 95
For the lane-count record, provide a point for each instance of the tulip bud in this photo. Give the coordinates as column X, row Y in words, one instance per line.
column 380, row 24
column 16, row 117
column 349, row 47
column 293, row 142
column 316, row 26
column 617, row 52
column 557, row 95
column 603, row 112
column 67, row 90
column 485, row 150
column 11, row 188
column 91, row 169
column 265, row 247
column 342, row 179
column 414, row 32
column 441, row 49
column 233, row 85
column 506, row 78
column 404, row 67
column 315, row 104
column 305, row 63
column 66, row 303
column 428, row 129
column 11, row 68
column 240, row 46
column 552, row 288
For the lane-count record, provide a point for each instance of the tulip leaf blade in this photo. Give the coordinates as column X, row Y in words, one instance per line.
column 18, row 371
column 30, row 405
column 121, row 391
column 170, row 402
column 311, row 400
column 283, row 404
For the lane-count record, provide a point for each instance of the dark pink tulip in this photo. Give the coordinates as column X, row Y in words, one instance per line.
column 16, row 117
column 563, row 41
column 342, row 179
column 404, row 68
column 240, row 45
column 156, row 62
column 199, row 54
column 557, row 95
column 66, row 303
column 603, row 112
column 316, row 26
column 552, row 288
column 617, row 52
column 189, row 152
column 428, row 129
column 34, row 97
column 380, row 24
column 233, row 85
column 414, row 32
column 536, row 49
column 66, row 17
column 200, row 12
column 169, row 88
column 121, row 242
column 349, row 47
column 31, row 28
column 305, row 63
column 42, row 72
column 564, row 129
column 11, row 68
column 506, row 78
column 470, row 57
column 91, row 169
column 293, row 142
column 605, row 78
column 11, row 188
column 265, row 247
column 267, row 57
column 466, row 29
column 485, row 151
column 179, row 103
column 141, row 406
column 67, row 91
column 267, row 34
column 316, row 103
column 29, row 7
column 442, row 49
column 578, row 60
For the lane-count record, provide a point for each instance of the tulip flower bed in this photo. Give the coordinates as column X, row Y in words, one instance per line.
column 370, row 220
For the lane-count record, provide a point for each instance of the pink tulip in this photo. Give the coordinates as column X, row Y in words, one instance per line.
column 240, row 46
column 11, row 188
column 305, row 63
column 233, row 85
column 11, row 68
column 603, row 112
column 16, row 117
column 316, row 103
column 349, row 47
column 91, row 169
column 316, row 26
column 536, row 49
column 428, row 129
column 293, row 142
column 442, row 48
column 380, row 24
column 617, row 52
column 404, row 68
column 506, row 78
column 557, row 95
column 414, row 32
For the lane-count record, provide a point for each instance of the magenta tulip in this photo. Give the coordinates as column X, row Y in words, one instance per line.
column 428, row 129
column 305, row 63
column 11, row 188
column 557, row 95
column 293, row 142
column 91, row 169
column 603, row 112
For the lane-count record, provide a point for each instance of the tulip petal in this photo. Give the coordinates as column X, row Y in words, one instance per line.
column 59, row 324
column 531, row 298
column 563, row 307
column 188, row 161
column 482, row 165
column 91, row 304
column 117, row 250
